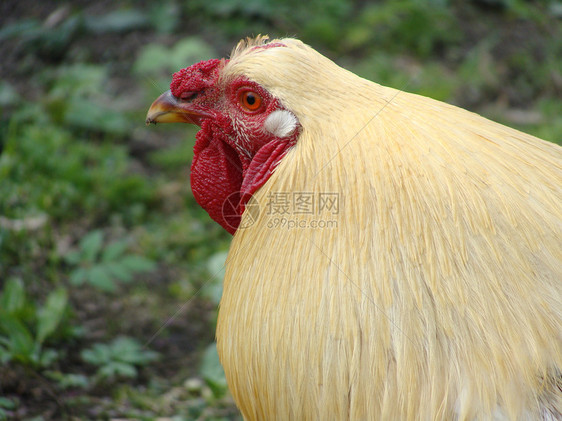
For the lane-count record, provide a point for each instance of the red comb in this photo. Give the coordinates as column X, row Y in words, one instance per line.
column 196, row 77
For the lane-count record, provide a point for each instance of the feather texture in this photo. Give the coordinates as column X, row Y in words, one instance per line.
column 437, row 293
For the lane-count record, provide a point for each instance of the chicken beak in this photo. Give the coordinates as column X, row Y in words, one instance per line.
column 169, row 109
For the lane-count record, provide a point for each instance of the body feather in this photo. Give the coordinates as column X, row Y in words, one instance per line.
column 437, row 295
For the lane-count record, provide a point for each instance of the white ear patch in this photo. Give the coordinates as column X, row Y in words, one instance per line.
column 280, row 123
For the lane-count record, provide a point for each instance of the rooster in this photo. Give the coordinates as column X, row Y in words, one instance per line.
column 430, row 288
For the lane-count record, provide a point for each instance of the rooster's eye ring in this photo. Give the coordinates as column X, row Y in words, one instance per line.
column 250, row 100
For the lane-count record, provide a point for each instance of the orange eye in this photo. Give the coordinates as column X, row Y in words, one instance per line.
column 250, row 100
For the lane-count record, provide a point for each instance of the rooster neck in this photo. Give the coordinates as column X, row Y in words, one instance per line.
column 342, row 322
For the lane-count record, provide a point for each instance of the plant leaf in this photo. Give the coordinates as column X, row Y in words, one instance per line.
column 50, row 315
column 136, row 263
column 215, row 266
column 94, row 115
column 117, row 368
column 212, row 371
column 100, row 278
column 68, row 380
column 129, row 350
column 119, row 271
column 114, row 250
column 5, row 355
column 73, row 257
column 47, row 357
column 21, row 343
column 118, row 21
column 13, row 296
column 91, row 245
column 98, row 354
column 7, row 403
column 78, row 276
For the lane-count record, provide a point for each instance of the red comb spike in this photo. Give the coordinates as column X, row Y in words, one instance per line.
column 196, row 77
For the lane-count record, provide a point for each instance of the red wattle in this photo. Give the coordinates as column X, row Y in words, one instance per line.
column 216, row 177
column 262, row 166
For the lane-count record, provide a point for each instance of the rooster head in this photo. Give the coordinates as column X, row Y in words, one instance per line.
column 245, row 131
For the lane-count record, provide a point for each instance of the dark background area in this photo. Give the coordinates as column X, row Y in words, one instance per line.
column 110, row 274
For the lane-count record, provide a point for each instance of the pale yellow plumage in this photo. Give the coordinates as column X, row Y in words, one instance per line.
column 438, row 296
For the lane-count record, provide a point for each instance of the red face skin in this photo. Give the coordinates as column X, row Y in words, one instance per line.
column 233, row 155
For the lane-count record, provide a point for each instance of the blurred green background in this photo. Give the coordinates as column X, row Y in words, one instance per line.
column 110, row 274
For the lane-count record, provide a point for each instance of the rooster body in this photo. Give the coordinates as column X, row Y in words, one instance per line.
column 437, row 293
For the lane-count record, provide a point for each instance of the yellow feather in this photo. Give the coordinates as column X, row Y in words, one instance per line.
column 438, row 295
